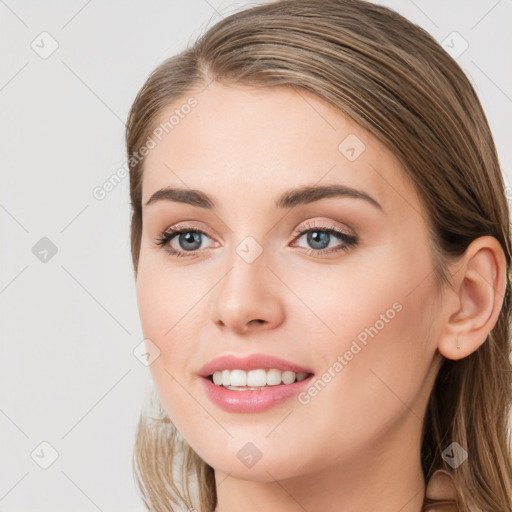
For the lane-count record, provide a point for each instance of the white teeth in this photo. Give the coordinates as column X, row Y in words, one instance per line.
column 238, row 378
column 273, row 377
column 256, row 378
column 288, row 377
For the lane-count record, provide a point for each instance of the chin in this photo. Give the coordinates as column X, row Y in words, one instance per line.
column 245, row 461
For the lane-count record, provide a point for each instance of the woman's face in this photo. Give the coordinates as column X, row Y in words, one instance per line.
column 358, row 310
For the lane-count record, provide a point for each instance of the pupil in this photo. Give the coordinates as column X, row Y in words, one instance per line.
column 187, row 239
column 315, row 237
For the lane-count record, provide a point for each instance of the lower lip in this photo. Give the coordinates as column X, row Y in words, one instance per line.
column 257, row 400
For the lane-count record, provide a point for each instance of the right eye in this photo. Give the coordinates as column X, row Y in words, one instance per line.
column 188, row 239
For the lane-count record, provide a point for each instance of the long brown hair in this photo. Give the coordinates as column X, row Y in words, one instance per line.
column 393, row 79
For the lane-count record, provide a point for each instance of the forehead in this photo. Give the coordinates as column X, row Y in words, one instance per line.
column 265, row 141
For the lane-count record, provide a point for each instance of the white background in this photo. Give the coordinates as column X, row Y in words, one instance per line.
column 70, row 325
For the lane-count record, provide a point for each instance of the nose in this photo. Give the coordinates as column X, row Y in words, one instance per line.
column 248, row 298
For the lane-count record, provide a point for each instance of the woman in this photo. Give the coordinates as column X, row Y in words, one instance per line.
column 321, row 246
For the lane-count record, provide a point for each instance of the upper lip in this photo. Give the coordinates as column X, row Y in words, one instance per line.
column 251, row 362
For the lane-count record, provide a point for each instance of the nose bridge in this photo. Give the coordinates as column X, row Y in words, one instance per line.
column 246, row 292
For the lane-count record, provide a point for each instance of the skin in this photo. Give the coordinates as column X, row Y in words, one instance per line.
column 356, row 445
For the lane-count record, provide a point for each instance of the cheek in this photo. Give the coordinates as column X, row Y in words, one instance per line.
column 376, row 345
column 374, row 371
column 171, row 314
column 167, row 299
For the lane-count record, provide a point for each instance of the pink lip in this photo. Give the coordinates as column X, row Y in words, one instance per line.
column 252, row 401
column 252, row 362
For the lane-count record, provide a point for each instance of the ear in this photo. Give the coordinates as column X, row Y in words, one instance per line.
column 474, row 302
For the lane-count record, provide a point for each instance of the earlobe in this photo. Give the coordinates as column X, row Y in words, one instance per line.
column 476, row 298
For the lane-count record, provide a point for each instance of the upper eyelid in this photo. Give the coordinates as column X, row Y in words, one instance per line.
column 182, row 226
column 323, row 225
column 305, row 226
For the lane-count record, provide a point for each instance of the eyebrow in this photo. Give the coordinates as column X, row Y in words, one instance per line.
column 289, row 199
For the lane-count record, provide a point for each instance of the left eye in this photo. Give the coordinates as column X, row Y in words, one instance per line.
column 319, row 237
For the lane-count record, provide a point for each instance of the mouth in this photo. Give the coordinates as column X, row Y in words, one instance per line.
column 252, row 383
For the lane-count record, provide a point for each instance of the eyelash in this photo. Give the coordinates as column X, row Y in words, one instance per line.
column 349, row 241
